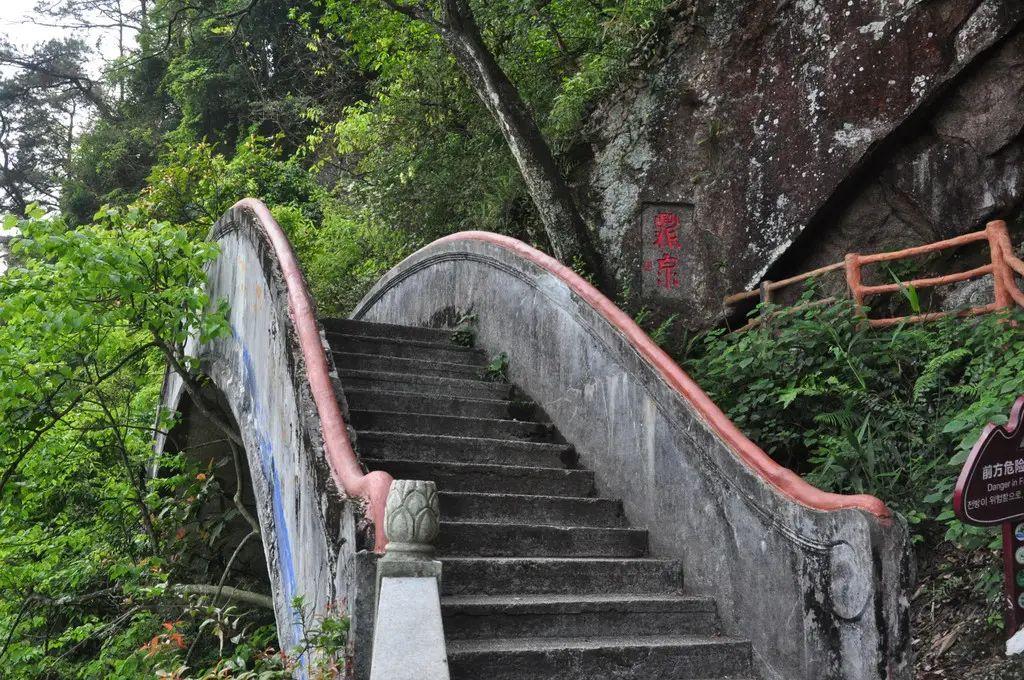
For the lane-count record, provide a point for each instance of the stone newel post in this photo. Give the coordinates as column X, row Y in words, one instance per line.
column 408, row 640
column 412, row 519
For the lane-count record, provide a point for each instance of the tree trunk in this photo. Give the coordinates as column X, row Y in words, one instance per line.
column 565, row 228
column 69, row 145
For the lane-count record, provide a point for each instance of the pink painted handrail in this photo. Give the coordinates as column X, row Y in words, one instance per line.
column 783, row 479
column 341, row 457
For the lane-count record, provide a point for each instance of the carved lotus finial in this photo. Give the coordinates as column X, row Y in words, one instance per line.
column 412, row 516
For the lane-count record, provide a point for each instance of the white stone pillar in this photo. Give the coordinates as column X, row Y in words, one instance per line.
column 408, row 639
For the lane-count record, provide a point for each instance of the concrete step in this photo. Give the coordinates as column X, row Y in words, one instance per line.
column 550, row 575
column 388, row 364
column 408, row 349
column 525, row 509
column 432, row 424
column 387, row 330
column 491, row 478
column 472, row 617
column 668, row 657
column 540, row 579
column 443, row 449
column 424, row 385
column 445, row 405
column 484, row 539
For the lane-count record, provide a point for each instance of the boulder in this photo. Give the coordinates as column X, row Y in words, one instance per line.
column 776, row 136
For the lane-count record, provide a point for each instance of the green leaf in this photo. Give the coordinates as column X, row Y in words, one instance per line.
column 787, row 396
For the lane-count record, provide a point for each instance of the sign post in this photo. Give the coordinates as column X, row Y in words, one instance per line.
column 1013, row 574
column 990, row 491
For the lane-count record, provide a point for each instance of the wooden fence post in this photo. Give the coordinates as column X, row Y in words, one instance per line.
column 765, row 291
column 1000, row 270
column 853, row 281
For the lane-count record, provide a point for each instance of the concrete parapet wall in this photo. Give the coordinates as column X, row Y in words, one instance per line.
column 308, row 530
column 818, row 582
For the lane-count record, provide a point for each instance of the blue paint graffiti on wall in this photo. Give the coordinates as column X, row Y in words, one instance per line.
column 282, row 536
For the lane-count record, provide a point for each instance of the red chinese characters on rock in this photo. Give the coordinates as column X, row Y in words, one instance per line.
column 666, row 230
column 668, row 277
column 666, row 239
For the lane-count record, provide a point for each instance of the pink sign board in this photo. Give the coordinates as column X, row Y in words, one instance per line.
column 990, row 491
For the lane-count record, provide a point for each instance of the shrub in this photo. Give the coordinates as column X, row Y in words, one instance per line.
column 890, row 412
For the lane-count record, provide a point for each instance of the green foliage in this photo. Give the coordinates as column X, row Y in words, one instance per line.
column 194, row 184
column 497, row 368
column 661, row 334
column 322, row 652
column 232, row 65
column 343, row 255
column 421, row 153
column 937, row 371
column 40, row 101
column 908, row 292
column 212, row 71
column 87, row 317
column 890, row 412
column 621, row 32
column 90, row 541
column 80, row 303
column 464, row 334
column 108, row 166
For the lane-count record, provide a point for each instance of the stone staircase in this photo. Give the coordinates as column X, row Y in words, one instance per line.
column 541, row 578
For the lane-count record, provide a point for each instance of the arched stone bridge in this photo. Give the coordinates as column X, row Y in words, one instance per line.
column 572, row 504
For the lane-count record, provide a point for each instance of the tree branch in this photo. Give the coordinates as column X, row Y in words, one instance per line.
column 14, row 626
column 237, row 594
column 137, row 483
column 417, row 11
column 242, row 510
column 231, row 562
column 9, row 472
column 195, row 392
column 86, row 86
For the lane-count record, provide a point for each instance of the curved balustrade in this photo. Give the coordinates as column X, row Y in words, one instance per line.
column 782, row 478
column 275, row 374
column 818, row 581
column 348, row 473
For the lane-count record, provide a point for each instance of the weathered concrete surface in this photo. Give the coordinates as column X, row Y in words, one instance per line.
column 363, row 608
column 409, row 641
column 957, row 168
column 764, row 116
column 308, row 531
column 821, row 595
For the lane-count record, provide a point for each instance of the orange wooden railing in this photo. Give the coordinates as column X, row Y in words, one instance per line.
column 1002, row 266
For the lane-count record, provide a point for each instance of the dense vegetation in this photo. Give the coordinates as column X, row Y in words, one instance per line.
column 890, row 412
column 359, row 126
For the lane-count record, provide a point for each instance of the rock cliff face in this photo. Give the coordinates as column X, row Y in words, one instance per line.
column 780, row 134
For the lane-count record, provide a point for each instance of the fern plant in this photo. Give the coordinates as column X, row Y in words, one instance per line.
column 892, row 412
